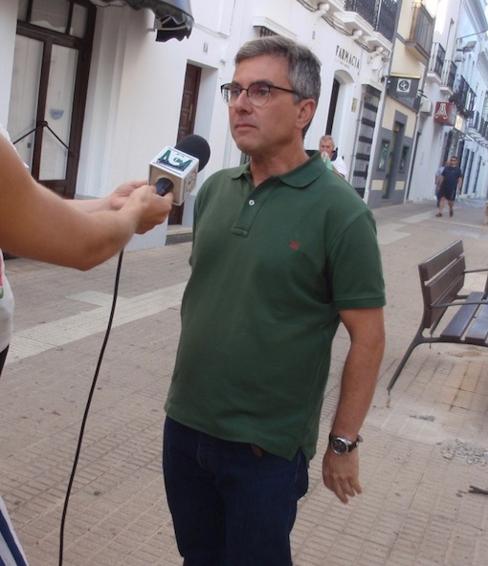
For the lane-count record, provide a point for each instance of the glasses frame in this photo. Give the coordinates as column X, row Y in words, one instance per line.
column 227, row 86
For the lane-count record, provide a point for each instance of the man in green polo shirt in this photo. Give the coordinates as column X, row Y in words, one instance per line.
column 283, row 251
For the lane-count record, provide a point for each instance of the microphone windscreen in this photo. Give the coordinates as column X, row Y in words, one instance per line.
column 196, row 146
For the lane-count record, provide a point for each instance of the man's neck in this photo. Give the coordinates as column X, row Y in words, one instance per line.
column 264, row 166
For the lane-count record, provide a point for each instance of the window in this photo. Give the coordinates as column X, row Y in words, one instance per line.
column 64, row 16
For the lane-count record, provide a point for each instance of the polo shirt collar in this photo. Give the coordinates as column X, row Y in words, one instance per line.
column 298, row 178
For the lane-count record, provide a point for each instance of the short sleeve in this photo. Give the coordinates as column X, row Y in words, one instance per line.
column 356, row 274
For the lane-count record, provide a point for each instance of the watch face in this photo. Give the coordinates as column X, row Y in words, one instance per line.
column 338, row 446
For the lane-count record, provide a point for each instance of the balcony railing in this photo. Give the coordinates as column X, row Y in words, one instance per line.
column 386, row 18
column 421, row 31
column 437, row 58
column 365, row 8
column 380, row 14
column 474, row 121
column 463, row 96
column 449, row 74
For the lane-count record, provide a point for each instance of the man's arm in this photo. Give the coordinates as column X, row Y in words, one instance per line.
column 459, row 183
column 367, row 334
column 36, row 223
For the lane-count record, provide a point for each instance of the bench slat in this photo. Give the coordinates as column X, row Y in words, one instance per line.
column 478, row 331
column 460, row 321
column 439, row 261
column 442, row 289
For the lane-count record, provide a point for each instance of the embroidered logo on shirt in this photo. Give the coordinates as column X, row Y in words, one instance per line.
column 294, row 245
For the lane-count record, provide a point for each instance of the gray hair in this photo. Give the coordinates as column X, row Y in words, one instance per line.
column 327, row 137
column 303, row 65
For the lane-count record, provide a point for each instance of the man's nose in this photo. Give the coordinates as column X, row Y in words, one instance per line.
column 242, row 102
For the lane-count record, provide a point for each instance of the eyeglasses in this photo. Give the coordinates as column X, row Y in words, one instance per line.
column 258, row 93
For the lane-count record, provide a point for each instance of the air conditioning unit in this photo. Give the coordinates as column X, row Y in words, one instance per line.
column 425, row 105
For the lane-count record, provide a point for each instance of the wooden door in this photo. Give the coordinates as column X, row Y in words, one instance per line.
column 187, row 120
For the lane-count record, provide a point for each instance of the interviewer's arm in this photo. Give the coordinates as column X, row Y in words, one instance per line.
column 36, row 223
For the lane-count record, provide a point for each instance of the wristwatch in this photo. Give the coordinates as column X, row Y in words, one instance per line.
column 341, row 445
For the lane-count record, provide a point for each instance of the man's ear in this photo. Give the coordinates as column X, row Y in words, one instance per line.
column 306, row 112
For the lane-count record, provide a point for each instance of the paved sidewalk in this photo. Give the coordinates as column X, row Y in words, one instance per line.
column 417, row 462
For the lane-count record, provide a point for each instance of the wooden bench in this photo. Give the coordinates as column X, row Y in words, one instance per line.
column 441, row 280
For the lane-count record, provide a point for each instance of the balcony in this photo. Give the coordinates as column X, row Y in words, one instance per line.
column 436, row 64
column 463, row 97
column 386, row 18
column 365, row 8
column 421, row 32
column 448, row 76
column 474, row 126
column 372, row 20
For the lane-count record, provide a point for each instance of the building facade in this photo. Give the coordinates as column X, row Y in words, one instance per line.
column 454, row 103
column 89, row 95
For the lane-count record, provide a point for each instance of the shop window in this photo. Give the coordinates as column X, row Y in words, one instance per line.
column 384, row 150
column 403, row 159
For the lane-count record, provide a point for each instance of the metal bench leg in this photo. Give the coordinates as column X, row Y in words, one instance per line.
column 415, row 342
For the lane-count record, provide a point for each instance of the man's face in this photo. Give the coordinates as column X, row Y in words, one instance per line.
column 326, row 147
column 453, row 162
column 264, row 130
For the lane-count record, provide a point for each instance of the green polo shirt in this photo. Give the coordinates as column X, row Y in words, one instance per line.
column 272, row 266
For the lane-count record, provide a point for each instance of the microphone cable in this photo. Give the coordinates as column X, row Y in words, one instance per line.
column 87, row 407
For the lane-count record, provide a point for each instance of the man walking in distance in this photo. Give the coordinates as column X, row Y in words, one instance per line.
column 283, row 251
column 450, row 184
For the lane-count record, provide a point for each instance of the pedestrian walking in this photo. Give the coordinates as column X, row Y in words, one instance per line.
column 283, row 251
column 450, row 184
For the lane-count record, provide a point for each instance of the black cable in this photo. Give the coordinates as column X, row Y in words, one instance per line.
column 87, row 407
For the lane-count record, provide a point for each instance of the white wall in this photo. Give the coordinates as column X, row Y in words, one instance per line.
column 8, row 25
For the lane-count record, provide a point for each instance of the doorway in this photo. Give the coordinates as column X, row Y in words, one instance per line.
column 334, row 96
column 394, row 158
column 49, row 85
column 187, row 120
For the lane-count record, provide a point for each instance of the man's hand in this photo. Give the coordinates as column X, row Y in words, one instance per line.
column 341, row 474
column 153, row 209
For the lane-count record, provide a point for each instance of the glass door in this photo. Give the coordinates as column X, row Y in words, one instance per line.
column 49, row 84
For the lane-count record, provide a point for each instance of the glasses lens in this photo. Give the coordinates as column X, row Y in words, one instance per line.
column 230, row 92
column 225, row 90
column 258, row 93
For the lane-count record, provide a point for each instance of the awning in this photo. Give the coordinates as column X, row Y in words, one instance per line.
column 173, row 17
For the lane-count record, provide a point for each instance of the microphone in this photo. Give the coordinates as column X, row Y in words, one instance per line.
column 175, row 168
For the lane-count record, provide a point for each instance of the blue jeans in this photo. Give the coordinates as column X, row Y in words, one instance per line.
column 232, row 504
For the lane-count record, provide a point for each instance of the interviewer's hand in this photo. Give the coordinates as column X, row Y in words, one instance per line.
column 119, row 196
column 152, row 208
column 341, row 473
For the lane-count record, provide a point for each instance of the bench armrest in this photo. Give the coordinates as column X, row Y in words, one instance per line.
column 458, row 304
column 475, row 270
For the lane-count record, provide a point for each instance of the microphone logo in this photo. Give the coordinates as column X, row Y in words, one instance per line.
column 175, row 159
